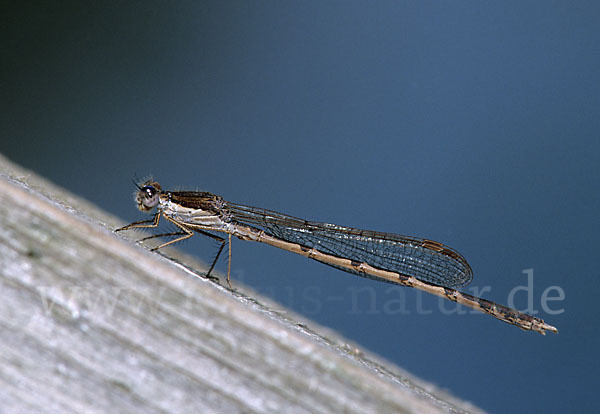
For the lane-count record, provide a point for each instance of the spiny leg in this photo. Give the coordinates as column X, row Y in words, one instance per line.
column 152, row 223
column 220, row 240
column 229, row 262
column 189, row 233
column 186, row 234
column 154, row 236
column 143, row 224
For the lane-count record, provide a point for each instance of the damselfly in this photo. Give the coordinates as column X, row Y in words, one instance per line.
column 408, row 261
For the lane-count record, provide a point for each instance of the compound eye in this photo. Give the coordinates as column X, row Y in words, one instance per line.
column 150, row 191
column 147, row 197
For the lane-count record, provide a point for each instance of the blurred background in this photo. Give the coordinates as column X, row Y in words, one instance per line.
column 471, row 123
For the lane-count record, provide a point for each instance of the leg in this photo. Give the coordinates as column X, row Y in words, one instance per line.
column 220, row 240
column 229, row 263
column 154, row 236
column 152, row 223
column 144, row 224
column 185, row 234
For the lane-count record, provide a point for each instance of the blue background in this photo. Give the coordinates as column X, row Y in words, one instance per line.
column 472, row 123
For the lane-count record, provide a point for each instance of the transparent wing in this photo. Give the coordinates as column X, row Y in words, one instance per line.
column 424, row 259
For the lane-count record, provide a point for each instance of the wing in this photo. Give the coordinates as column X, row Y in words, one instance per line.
column 427, row 260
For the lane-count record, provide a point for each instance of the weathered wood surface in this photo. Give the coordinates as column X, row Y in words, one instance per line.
column 91, row 322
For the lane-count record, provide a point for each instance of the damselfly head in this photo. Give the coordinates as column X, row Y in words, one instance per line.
column 146, row 197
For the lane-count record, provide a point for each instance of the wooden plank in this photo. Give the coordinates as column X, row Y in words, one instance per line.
column 91, row 322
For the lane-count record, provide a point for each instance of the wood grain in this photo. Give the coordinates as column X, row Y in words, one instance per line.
column 92, row 322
